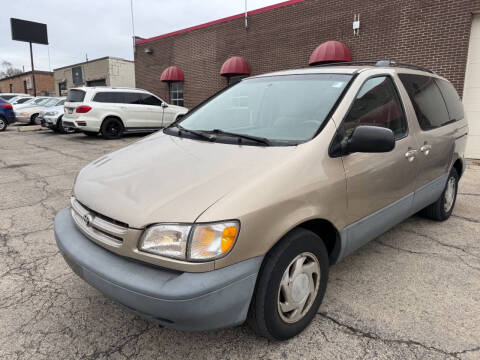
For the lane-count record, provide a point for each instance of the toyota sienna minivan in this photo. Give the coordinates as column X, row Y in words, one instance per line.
column 238, row 210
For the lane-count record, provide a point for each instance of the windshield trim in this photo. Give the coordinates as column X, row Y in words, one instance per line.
column 273, row 142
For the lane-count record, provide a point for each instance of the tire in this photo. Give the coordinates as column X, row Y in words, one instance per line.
column 90, row 133
column 3, row 124
column 112, row 128
column 33, row 120
column 441, row 209
column 265, row 315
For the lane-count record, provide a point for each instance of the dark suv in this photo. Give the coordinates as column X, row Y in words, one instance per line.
column 7, row 116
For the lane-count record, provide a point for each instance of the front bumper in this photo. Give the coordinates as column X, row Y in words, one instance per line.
column 178, row 300
column 49, row 121
column 23, row 119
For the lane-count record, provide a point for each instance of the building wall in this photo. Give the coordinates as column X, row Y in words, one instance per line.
column 122, row 73
column 43, row 81
column 115, row 72
column 430, row 33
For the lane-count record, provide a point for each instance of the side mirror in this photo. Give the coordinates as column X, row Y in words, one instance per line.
column 164, row 105
column 370, row 139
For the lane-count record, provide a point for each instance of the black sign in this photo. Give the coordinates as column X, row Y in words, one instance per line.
column 77, row 75
column 29, row 31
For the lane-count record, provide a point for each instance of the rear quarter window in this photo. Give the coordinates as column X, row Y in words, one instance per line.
column 109, row 97
column 452, row 99
column 427, row 100
column 75, row 95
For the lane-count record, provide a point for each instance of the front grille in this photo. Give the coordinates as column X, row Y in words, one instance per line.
column 97, row 227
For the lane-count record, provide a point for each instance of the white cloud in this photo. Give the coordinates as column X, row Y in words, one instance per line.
column 103, row 27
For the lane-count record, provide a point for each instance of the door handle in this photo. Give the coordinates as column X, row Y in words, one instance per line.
column 426, row 149
column 410, row 154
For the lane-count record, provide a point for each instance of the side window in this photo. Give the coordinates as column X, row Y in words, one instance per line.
column 132, row 98
column 107, row 97
column 426, row 99
column 377, row 104
column 148, row 99
column 453, row 101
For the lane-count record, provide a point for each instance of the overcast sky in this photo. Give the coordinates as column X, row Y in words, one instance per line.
column 103, row 27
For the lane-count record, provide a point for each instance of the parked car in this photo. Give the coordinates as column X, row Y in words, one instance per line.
column 20, row 99
column 7, row 116
column 8, row 96
column 113, row 111
column 31, row 102
column 29, row 114
column 241, row 207
column 51, row 117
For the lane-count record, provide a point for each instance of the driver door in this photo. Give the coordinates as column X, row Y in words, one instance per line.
column 380, row 186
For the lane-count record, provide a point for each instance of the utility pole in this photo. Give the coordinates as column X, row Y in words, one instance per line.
column 133, row 28
column 33, row 71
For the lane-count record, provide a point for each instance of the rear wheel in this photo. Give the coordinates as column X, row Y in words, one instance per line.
column 441, row 209
column 290, row 286
column 34, row 120
column 112, row 128
column 3, row 124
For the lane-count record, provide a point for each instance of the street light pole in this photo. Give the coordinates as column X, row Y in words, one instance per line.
column 33, row 71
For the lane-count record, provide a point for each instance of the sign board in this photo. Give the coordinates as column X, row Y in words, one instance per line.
column 29, row 31
column 77, row 75
column 29, row 83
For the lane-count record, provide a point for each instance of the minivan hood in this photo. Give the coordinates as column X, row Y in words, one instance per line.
column 164, row 178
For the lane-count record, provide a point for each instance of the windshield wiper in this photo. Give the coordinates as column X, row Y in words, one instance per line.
column 194, row 132
column 243, row 136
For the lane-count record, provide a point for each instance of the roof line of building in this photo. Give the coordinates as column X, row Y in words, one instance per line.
column 93, row 60
column 218, row 21
column 27, row 73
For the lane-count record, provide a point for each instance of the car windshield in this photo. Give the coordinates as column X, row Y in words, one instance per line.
column 42, row 101
column 283, row 108
column 51, row 102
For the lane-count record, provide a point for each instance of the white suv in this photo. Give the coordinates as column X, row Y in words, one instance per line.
column 115, row 111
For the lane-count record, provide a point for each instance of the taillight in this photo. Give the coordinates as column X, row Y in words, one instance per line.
column 83, row 109
column 7, row 106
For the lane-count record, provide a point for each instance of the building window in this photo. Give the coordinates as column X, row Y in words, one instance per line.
column 232, row 80
column 176, row 93
column 25, row 86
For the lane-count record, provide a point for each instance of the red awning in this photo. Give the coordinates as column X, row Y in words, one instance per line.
column 236, row 65
column 172, row 73
column 330, row 51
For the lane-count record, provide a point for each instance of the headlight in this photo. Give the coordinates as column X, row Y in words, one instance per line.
column 51, row 113
column 190, row 242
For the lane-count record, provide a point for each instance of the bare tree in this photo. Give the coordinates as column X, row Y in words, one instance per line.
column 7, row 69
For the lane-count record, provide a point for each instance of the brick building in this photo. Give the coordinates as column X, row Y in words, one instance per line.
column 436, row 34
column 22, row 83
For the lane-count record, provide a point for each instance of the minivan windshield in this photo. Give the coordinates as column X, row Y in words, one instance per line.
column 284, row 108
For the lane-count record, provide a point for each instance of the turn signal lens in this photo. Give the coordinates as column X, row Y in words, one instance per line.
column 212, row 241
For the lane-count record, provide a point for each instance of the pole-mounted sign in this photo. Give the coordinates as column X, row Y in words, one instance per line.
column 31, row 32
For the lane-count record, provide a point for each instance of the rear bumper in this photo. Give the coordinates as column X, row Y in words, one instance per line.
column 10, row 119
column 23, row 119
column 184, row 301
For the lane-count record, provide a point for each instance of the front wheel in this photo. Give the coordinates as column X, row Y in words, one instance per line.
column 3, row 124
column 441, row 209
column 290, row 286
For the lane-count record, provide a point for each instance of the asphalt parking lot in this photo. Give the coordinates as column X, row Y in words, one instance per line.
column 412, row 293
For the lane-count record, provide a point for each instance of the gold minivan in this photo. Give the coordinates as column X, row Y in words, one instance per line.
column 238, row 210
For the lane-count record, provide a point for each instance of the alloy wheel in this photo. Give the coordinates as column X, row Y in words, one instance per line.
column 449, row 196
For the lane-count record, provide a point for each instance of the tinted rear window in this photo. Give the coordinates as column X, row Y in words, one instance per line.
column 7, row 97
column 109, row 97
column 453, row 101
column 427, row 100
column 132, row 98
column 21, row 101
column 76, row 96
column 148, row 99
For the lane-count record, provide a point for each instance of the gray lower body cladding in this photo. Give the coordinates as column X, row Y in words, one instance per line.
column 184, row 301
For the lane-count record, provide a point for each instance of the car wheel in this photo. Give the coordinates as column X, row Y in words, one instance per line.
column 290, row 286
column 33, row 120
column 3, row 124
column 90, row 133
column 441, row 209
column 112, row 128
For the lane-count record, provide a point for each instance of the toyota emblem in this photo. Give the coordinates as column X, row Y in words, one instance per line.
column 88, row 219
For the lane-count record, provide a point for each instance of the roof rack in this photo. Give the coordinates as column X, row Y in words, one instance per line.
column 378, row 63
